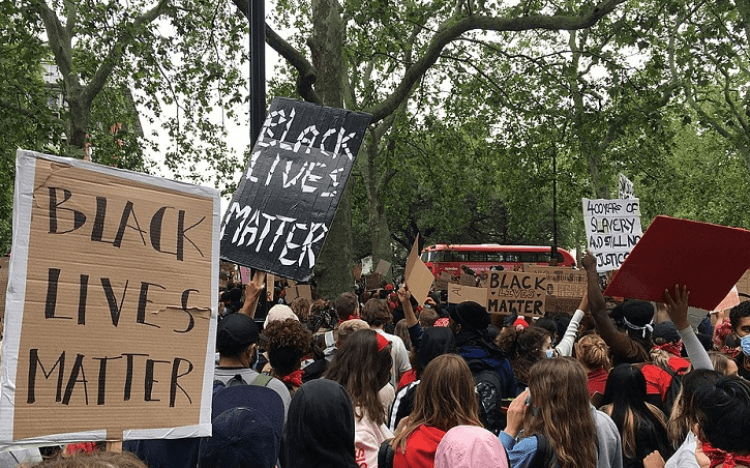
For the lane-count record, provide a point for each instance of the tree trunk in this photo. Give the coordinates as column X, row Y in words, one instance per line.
column 333, row 269
column 80, row 116
column 380, row 234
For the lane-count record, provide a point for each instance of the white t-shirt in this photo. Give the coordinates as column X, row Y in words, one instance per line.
column 400, row 357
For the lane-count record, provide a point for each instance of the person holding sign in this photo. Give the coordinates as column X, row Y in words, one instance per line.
column 632, row 342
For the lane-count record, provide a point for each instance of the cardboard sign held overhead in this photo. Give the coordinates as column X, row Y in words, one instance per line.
column 383, row 267
column 625, row 188
column 300, row 290
column 523, row 292
column 458, row 294
column 373, row 281
column 442, row 282
column 708, row 258
column 419, row 278
column 613, row 227
column 282, row 209
column 562, row 282
column 468, row 280
column 111, row 309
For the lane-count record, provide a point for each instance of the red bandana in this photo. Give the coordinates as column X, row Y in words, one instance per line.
column 294, row 379
column 719, row 457
column 382, row 342
column 675, row 349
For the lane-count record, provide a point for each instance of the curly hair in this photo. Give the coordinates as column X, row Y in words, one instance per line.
column 524, row 348
column 287, row 342
column 92, row 460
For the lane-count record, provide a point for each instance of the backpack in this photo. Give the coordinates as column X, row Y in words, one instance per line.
column 544, row 455
column 261, row 380
column 489, row 393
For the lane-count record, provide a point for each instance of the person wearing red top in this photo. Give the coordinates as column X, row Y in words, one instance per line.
column 593, row 353
column 445, row 399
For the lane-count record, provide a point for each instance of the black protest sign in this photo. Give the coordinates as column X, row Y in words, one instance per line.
column 283, row 207
column 514, row 290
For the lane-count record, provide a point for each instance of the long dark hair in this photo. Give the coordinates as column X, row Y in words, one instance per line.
column 625, row 402
column 363, row 371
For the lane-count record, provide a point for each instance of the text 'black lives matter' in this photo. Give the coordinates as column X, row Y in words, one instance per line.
column 283, row 207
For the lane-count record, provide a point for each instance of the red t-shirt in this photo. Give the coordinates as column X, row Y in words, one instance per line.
column 597, row 381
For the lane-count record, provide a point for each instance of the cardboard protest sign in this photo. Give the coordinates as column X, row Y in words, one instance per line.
column 285, row 202
column 4, row 265
column 300, row 290
column 373, row 281
column 442, row 282
column 613, row 227
column 383, row 267
column 562, row 282
column 458, row 294
column 707, row 258
column 743, row 287
column 111, row 309
column 245, row 274
column 418, row 277
column 520, row 291
column 561, row 305
column 467, row 280
column 625, row 188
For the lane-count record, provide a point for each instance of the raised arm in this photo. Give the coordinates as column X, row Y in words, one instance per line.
column 620, row 343
column 677, row 309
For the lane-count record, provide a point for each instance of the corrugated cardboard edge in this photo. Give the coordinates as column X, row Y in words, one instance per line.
column 22, row 200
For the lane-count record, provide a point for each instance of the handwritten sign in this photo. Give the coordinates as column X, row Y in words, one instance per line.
column 625, row 188
column 562, row 282
column 383, row 267
column 613, row 227
column 458, row 293
column 111, row 309
column 284, row 205
column 520, row 291
column 300, row 290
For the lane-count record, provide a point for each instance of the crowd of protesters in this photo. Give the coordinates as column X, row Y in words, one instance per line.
column 379, row 379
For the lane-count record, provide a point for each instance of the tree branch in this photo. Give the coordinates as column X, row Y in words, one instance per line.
column 307, row 73
column 118, row 50
column 457, row 28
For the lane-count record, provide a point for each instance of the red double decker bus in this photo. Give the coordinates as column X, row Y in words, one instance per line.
column 480, row 257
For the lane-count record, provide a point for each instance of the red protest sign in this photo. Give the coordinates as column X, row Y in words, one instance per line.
column 708, row 258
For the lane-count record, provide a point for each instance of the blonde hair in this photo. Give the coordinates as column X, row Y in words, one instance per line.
column 560, row 410
column 445, row 398
column 592, row 351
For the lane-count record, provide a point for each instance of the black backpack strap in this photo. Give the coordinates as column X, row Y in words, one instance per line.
column 386, row 454
column 544, row 454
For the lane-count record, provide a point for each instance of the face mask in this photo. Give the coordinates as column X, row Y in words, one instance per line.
column 745, row 345
column 550, row 353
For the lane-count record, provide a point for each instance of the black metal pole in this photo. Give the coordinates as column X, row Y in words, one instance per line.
column 257, row 15
column 554, row 202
